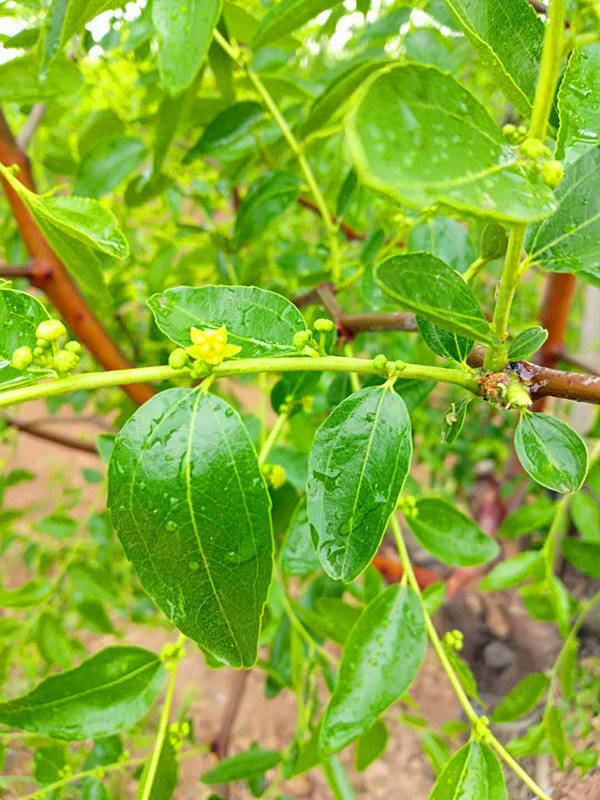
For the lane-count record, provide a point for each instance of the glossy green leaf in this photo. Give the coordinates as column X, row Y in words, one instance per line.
column 507, row 35
column 450, row 535
column 262, row 323
column 28, row 594
column 522, row 698
column 473, row 773
column 494, row 241
column 512, row 571
column 556, row 735
column 266, row 200
column 583, row 555
column 550, row 452
column 423, row 283
column 107, row 166
column 454, row 420
column 532, row 516
column 165, row 778
column 370, row 745
column 399, row 138
column 357, row 466
column 333, row 618
column 20, row 80
column 578, row 106
column 103, row 695
column 569, row 240
column 192, row 512
column 20, row 314
column 585, row 513
column 242, row 765
column 337, row 94
column 185, row 31
column 77, row 229
column 227, row 129
column 297, row 555
column 382, row 656
column 527, row 342
column 286, row 16
column 446, row 238
column 80, row 12
column 443, row 342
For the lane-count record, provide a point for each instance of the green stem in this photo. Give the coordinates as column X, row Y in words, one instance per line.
column 249, row 366
column 295, row 146
column 164, row 722
column 299, row 627
column 495, row 358
column 449, row 670
column 272, row 438
column 552, row 54
column 475, row 268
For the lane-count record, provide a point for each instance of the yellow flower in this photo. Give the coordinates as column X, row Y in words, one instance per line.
column 211, row 346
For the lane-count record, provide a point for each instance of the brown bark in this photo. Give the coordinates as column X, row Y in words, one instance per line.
column 49, row 274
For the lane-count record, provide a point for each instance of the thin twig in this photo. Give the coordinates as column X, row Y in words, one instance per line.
column 32, row 122
column 8, row 271
column 49, row 436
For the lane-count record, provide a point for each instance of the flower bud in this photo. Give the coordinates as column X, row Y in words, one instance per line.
column 534, row 148
column 301, row 339
column 517, row 396
column 73, row 347
column 51, row 330
column 380, row 361
column 324, row 325
column 22, row 358
column 65, row 362
column 178, row 359
column 552, row 173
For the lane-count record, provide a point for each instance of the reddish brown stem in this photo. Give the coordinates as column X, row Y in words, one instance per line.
column 49, row 436
column 349, row 232
column 49, row 274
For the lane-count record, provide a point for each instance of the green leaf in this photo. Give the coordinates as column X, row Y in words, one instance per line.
column 192, row 512
column 455, row 419
column 522, row 698
column 473, row 773
column 450, row 535
column 337, row 778
column 346, row 194
column 370, row 745
column 20, row 80
column 262, row 323
column 550, row 452
column 583, row 555
column 77, row 228
column 507, row 35
column 569, row 240
column 297, row 555
column 80, row 12
column 578, row 107
column 103, row 695
column 357, row 466
column 107, row 165
column 228, row 128
column 165, row 778
column 333, row 619
column 399, row 137
column 512, row 571
column 444, row 343
column 292, row 387
column 494, row 241
column 585, row 512
column 20, row 314
column 423, row 283
column 267, row 199
column 185, row 32
column 286, row 16
column 445, row 238
column 527, row 342
column 382, row 656
column 530, row 517
column 556, row 735
column 28, row 594
column 242, row 765
column 436, row 749
column 52, row 641
column 337, row 95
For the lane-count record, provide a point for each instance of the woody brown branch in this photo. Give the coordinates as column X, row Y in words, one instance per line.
column 48, row 273
column 49, row 436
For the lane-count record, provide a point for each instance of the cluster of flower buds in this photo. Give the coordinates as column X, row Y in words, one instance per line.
column 481, row 730
column 274, row 475
column 539, row 159
column 171, row 653
column 47, row 352
column 209, row 348
column 178, row 731
column 407, row 506
column 454, row 640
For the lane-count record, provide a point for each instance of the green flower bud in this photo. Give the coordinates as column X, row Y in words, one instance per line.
column 43, row 344
column 517, row 396
column 65, row 362
column 51, row 330
column 400, row 365
column 380, row 361
column 73, row 347
column 324, row 325
column 301, row 339
column 39, row 352
column 552, row 173
column 178, row 359
column 22, row 358
column 534, row 148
